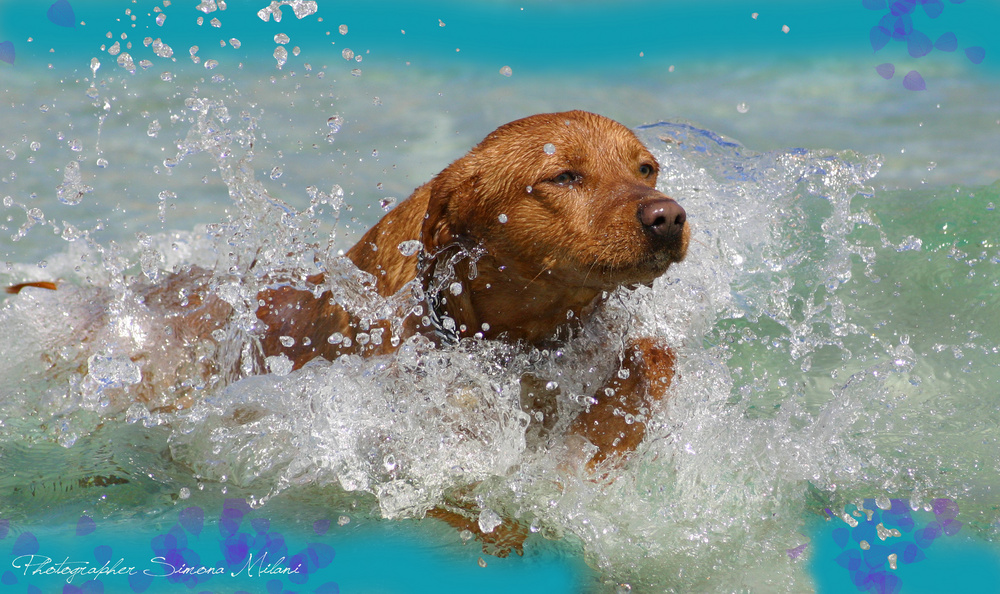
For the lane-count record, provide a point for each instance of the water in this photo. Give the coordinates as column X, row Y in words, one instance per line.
column 836, row 318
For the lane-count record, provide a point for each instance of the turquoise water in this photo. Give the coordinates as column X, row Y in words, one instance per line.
column 837, row 317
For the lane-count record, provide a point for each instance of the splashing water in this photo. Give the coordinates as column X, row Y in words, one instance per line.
column 835, row 343
column 793, row 377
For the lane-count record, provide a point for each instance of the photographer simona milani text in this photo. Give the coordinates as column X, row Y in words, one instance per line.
column 40, row 565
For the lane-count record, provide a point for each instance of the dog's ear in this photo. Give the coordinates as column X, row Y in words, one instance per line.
column 448, row 192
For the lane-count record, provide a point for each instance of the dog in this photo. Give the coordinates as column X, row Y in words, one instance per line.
column 560, row 209
column 520, row 241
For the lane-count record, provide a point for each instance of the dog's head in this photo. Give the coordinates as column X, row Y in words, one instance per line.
column 570, row 197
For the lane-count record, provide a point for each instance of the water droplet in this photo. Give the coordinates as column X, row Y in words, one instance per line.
column 162, row 50
column 343, row 521
column 279, row 364
column 785, row 29
column 348, row 53
column 506, row 71
column 281, row 38
column 742, row 107
column 356, row 72
column 455, row 288
column 549, row 148
column 281, row 55
column 410, row 247
column 286, row 341
column 276, row 172
column 335, row 123
column 488, row 521
column 502, row 218
column 235, row 43
column 343, row 29
column 552, row 386
column 160, row 18
column 154, row 129
column 386, row 203
column 210, row 64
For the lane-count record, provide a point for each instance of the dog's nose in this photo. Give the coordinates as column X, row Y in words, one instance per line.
column 662, row 216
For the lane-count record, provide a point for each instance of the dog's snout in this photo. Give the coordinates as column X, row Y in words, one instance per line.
column 662, row 217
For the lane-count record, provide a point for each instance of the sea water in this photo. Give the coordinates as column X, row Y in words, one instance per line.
column 836, row 322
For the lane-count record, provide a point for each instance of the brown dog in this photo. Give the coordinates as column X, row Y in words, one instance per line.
column 519, row 240
column 537, row 223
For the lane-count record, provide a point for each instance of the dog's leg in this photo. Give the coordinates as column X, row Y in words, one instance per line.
column 499, row 542
column 615, row 423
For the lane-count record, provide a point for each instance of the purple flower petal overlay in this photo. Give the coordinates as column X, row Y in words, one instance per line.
column 902, row 7
column 85, row 525
column 975, row 54
column 794, row 553
column 26, row 544
column 886, row 70
column 914, row 82
column 233, row 511
column 61, row 13
column 319, row 527
column 7, row 52
column 951, row 527
column 873, row 4
column 879, row 37
column 192, row 519
column 918, row 44
column 102, row 554
column 320, row 554
column 840, row 536
column 947, row 42
column 849, row 560
column 8, row 578
column 944, row 509
column 901, row 28
column 933, row 8
column 235, row 549
column 260, row 525
column 140, row 582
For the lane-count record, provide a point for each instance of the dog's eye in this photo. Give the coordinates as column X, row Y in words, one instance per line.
column 646, row 170
column 566, row 178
